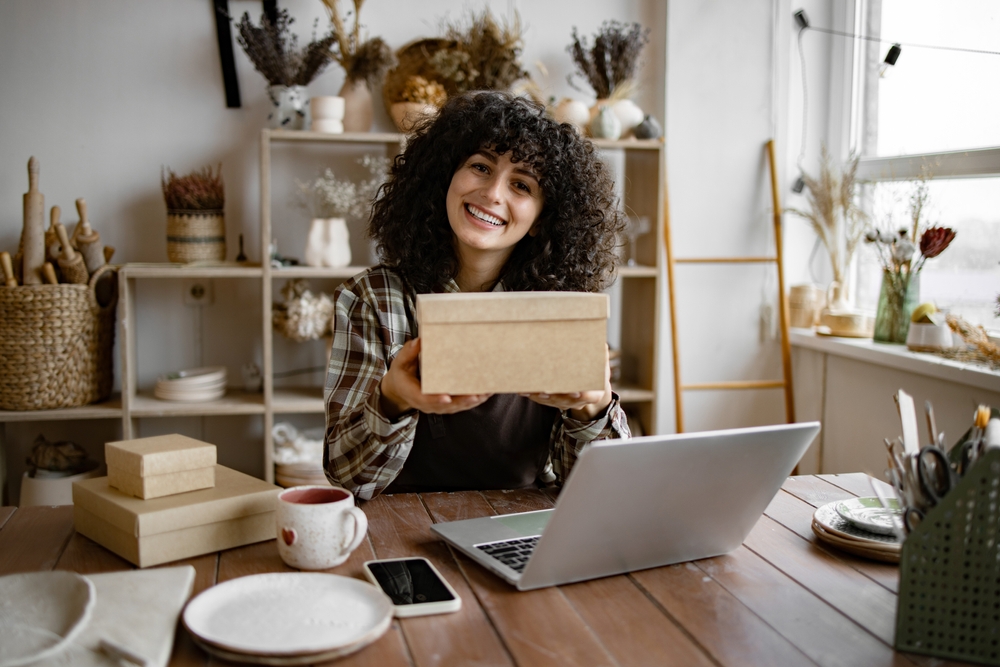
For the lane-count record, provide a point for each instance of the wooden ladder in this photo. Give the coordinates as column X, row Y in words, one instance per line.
column 786, row 353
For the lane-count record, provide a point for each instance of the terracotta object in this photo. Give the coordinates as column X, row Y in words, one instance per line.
column 358, row 111
column 33, row 234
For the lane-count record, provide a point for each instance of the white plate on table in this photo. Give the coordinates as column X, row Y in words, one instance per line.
column 40, row 613
column 828, row 518
column 868, row 514
column 289, row 615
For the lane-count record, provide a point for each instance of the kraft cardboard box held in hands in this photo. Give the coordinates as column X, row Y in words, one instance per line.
column 512, row 342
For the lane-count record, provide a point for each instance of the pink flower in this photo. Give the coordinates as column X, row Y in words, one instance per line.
column 935, row 240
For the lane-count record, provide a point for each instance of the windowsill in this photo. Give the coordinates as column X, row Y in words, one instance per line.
column 898, row 357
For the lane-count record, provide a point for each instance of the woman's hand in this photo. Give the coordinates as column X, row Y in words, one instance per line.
column 583, row 406
column 401, row 388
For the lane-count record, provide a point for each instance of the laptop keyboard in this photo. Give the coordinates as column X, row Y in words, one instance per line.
column 512, row 553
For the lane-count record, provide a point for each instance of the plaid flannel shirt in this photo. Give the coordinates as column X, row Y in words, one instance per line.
column 364, row 450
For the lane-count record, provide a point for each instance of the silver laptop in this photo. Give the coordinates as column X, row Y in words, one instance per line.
column 639, row 503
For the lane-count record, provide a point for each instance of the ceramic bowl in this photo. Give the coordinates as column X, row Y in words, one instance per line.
column 925, row 337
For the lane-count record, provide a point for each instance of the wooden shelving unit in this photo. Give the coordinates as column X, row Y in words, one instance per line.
column 639, row 289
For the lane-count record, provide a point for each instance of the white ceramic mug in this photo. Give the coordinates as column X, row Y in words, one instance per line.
column 318, row 526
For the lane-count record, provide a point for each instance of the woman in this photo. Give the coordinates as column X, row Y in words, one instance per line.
column 489, row 195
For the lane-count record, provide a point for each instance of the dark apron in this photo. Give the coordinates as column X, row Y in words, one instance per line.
column 501, row 444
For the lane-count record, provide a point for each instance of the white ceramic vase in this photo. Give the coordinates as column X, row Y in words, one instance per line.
column 290, row 108
column 629, row 114
column 605, row 124
column 358, row 111
column 329, row 243
column 574, row 112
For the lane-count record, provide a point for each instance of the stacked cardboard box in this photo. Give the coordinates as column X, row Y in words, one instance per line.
column 161, row 502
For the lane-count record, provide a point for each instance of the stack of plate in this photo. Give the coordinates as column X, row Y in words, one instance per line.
column 300, row 474
column 860, row 526
column 196, row 384
column 288, row 618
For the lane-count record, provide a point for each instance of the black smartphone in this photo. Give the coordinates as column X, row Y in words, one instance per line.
column 414, row 586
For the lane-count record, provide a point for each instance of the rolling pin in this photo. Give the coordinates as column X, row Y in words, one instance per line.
column 8, row 270
column 49, row 274
column 52, row 246
column 71, row 262
column 87, row 240
column 33, row 234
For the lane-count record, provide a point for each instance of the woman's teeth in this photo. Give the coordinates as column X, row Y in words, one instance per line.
column 485, row 217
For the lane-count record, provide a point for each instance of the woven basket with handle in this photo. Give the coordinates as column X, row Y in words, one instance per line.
column 56, row 343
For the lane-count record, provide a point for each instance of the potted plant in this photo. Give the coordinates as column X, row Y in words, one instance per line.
column 609, row 67
column 329, row 201
column 196, row 227
column 365, row 62
column 275, row 53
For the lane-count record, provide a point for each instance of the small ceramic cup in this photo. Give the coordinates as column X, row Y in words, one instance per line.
column 318, row 526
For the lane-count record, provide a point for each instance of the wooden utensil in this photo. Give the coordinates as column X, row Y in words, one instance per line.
column 8, row 270
column 71, row 262
column 49, row 274
column 33, row 234
column 52, row 246
column 109, row 252
column 88, row 240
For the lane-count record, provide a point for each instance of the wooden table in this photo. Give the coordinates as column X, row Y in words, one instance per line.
column 780, row 599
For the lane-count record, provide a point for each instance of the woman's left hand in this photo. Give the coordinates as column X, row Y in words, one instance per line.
column 582, row 405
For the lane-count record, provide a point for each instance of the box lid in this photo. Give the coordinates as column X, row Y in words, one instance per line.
column 511, row 307
column 234, row 495
column 159, row 455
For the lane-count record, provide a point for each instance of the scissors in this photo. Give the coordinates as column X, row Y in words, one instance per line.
column 934, row 474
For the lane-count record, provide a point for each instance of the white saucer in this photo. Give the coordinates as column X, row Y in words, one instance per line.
column 828, row 518
column 868, row 514
column 193, row 377
column 289, row 614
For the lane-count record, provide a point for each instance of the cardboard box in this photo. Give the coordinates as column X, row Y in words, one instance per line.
column 512, row 342
column 160, row 466
column 238, row 510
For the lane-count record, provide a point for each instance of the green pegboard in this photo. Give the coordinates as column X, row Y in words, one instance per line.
column 949, row 573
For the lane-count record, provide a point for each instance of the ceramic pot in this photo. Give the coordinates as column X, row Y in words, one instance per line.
column 290, row 108
column 605, row 124
column 647, row 129
column 358, row 110
column 629, row 114
column 407, row 114
column 329, row 243
column 573, row 112
column 327, row 113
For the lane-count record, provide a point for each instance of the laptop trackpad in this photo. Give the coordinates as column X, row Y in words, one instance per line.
column 526, row 523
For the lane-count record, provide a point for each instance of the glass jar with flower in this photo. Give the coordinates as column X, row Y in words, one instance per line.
column 902, row 259
column 330, row 201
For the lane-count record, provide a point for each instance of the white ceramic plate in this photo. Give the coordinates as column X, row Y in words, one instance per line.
column 194, row 376
column 827, row 517
column 40, row 613
column 289, row 614
column 868, row 514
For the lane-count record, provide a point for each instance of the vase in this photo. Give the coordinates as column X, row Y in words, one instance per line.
column 574, row 112
column 358, row 111
column 605, row 124
column 406, row 115
column 629, row 114
column 899, row 295
column 290, row 108
column 327, row 113
column 194, row 236
column 329, row 243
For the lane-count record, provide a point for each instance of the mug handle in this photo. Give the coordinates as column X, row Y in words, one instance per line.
column 360, row 528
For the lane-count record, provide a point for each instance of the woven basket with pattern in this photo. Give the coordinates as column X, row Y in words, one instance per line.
column 56, row 343
column 194, row 236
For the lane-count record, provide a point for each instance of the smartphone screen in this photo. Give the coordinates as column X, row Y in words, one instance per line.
column 410, row 581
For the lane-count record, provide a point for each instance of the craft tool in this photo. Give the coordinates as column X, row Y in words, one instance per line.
column 52, row 246
column 33, row 233
column 49, row 274
column 71, row 262
column 88, row 241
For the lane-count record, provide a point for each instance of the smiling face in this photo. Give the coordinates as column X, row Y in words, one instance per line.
column 492, row 203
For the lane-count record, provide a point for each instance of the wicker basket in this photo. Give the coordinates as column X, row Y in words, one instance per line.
column 194, row 236
column 56, row 343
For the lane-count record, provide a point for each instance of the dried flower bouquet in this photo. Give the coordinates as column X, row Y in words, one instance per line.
column 362, row 59
column 326, row 196
column 198, row 191
column 274, row 51
column 613, row 59
column 484, row 53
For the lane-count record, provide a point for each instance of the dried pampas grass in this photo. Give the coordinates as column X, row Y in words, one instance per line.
column 979, row 348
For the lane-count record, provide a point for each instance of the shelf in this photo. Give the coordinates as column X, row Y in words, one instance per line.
column 343, row 138
column 227, row 270
column 630, row 144
column 235, row 402
column 343, row 272
column 298, row 400
column 109, row 409
column 637, row 271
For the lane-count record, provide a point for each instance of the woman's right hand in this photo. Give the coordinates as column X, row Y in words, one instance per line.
column 401, row 388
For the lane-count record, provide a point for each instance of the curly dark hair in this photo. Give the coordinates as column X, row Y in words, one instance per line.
column 579, row 225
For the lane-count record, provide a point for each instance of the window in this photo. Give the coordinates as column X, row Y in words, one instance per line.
column 934, row 116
